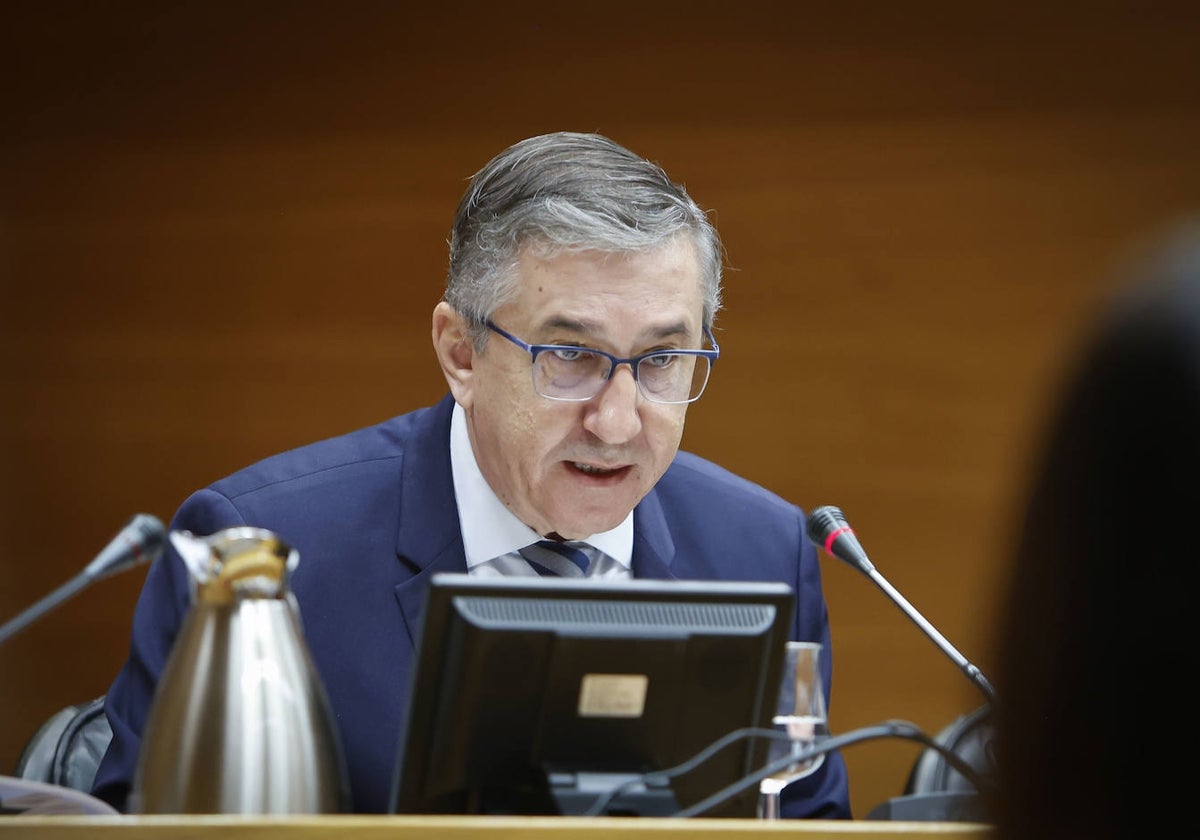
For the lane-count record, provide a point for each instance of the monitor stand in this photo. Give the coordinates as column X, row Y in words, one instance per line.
column 576, row 792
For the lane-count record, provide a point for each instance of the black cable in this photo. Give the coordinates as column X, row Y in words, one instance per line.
column 658, row 777
column 888, row 729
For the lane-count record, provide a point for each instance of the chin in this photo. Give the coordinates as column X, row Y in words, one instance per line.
column 580, row 512
column 580, row 529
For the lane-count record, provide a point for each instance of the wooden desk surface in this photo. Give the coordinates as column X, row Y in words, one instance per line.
column 364, row 827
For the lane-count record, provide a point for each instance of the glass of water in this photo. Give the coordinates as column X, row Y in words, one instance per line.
column 800, row 718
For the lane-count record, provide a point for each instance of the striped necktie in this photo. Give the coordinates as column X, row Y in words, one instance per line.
column 559, row 559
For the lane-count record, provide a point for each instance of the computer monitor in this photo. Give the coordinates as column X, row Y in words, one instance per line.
column 538, row 695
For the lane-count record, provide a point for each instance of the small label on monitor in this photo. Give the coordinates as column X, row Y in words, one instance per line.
column 613, row 695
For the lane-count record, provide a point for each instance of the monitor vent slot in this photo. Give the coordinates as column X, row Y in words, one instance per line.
column 566, row 613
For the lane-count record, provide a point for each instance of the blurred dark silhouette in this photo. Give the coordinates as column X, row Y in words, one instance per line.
column 1095, row 639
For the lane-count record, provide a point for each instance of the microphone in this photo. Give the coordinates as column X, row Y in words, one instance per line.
column 828, row 529
column 140, row 541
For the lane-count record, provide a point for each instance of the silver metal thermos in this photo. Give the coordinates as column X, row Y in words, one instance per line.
column 240, row 722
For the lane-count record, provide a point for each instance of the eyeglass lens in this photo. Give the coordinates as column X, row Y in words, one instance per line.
column 578, row 375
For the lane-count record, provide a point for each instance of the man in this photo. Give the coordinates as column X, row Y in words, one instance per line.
column 575, row 330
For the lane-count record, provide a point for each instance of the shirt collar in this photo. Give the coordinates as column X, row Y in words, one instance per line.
column 489, row 529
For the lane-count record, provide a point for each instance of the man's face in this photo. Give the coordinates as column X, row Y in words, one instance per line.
column 578, row 468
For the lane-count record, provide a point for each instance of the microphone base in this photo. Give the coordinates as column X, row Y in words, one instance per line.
column 944, row 806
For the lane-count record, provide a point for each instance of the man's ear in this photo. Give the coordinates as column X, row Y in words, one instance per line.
column 455, row 352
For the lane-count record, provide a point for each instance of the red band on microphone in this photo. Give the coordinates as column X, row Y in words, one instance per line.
column 845, row 529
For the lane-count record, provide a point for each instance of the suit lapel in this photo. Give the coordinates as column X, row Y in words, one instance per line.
column 428, row 539
column 653, row 548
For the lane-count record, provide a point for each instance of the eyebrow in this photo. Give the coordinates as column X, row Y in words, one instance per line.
column 592, row 327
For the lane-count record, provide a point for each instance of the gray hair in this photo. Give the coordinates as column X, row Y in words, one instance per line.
column 567, row 191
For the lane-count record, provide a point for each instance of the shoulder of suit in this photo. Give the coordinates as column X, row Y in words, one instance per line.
column 689, row 473
column 365, row 449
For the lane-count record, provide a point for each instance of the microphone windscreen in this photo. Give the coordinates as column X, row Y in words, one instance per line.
column 824, row 521
column 828, row 529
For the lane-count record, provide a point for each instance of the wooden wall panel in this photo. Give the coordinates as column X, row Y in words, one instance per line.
column 222, row 230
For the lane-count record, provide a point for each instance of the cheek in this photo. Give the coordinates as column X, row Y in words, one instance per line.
column 522, row 432
column 523, row 436
column 664, row 431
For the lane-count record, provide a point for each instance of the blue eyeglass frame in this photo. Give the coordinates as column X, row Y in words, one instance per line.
column 633, row 361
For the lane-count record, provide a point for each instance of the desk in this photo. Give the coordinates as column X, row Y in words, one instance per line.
column 365, row 827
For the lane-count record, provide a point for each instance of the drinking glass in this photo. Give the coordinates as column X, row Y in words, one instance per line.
column 800, row 715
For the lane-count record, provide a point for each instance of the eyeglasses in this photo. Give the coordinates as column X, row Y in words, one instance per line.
column 576, row 374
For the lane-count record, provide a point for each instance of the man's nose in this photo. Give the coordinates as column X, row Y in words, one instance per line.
column 614, row 417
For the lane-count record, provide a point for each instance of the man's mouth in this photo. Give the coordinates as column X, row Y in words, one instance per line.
column 592, row 469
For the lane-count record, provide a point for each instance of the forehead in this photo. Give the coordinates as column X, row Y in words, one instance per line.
column 594, row 288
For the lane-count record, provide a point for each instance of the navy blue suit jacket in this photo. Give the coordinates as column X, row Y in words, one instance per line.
column 373, row 515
